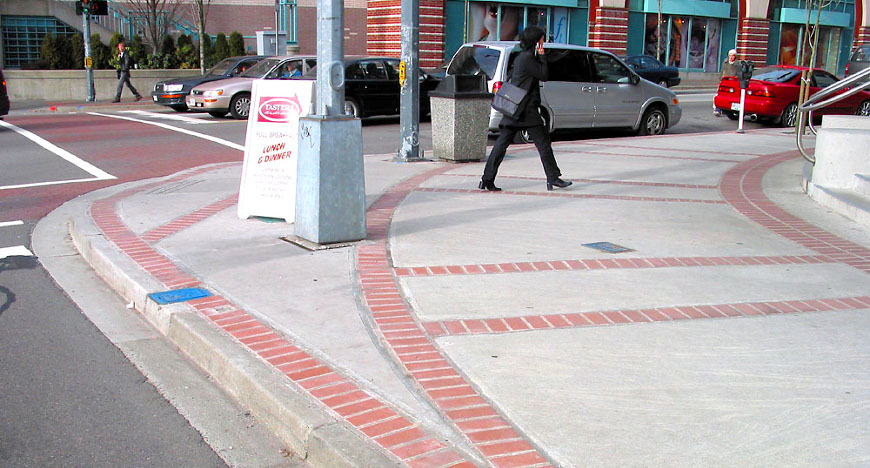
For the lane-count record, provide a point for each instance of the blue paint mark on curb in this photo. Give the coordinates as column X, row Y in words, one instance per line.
column 179, row 295
column 607, row 247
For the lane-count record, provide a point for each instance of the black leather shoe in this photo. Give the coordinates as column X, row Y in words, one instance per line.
column 488, row 186
column 138, row 98
column 558, row 183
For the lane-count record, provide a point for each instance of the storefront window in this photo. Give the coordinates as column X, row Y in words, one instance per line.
column 498, row 22
column 688, row 42
column 559, row 26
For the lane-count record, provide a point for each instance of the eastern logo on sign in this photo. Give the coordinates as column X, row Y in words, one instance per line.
column 278, row 109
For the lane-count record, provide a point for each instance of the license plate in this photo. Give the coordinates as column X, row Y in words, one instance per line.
column 155, row 98
column 191, row 102
column 735, row 106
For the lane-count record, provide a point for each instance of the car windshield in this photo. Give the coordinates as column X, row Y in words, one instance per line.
column 861, row 54
column 260, row 69
column 221, row 68
column 471, row 60
column 775, row 74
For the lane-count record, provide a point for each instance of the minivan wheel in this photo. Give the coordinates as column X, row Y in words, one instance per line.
column 240, row 106
column 864, row 109
column 524, row 137
column 653, row 122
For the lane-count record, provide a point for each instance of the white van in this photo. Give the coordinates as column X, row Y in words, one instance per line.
column 587, row 88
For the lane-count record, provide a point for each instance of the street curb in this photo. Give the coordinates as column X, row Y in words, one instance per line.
column 312, row 433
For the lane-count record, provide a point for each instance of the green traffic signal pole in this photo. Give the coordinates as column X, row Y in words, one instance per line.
column 89, row 64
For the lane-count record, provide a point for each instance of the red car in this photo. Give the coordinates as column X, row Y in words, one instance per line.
column 773, row 95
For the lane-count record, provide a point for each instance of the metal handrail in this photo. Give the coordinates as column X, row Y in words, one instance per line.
column 806, row 109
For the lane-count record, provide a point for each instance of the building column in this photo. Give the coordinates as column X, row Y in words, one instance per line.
column 608, row 29
column 752, row 36
column 862, row 36
column 384, row 30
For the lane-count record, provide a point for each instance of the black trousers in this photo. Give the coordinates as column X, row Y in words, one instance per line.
column 124, row 77
column 542, row 142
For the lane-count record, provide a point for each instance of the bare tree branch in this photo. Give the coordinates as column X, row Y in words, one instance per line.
column 157, row 16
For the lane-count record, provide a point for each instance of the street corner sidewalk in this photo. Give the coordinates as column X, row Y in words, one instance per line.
column 477, row 328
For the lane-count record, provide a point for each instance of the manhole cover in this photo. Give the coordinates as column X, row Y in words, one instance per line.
column 608, row 247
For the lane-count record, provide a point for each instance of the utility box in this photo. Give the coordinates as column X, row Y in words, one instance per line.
column 460, row 118
column 266, row 44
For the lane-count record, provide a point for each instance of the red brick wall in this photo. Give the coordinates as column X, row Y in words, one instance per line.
column 752, row 40
column 609, row 30
column 384, row 32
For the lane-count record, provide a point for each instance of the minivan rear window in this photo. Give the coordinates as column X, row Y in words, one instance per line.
column 470, row 60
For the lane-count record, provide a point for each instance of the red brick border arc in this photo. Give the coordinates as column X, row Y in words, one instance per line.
column 184, row 222
column 400, row 436
column 413, row 349
column 568, row 194
column 741, row 188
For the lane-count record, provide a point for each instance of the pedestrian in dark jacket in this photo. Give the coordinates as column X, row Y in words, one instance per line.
column 125, row 62
column 529, row 69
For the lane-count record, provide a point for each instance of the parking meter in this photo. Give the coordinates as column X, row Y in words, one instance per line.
column 745, row 73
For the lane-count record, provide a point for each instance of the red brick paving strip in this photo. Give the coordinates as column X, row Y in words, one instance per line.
column 664, row 314
column 381, row 423
column 184, row 222
column 568, row 194
column 488, row 431
column 592, row 264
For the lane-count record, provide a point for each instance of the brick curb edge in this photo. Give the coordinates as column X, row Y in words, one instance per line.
column 311, row 433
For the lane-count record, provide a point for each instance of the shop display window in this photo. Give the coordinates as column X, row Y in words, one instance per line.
column 504, row 22
column 685, row 42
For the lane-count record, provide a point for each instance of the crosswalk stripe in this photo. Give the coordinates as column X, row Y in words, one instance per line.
column 181, row 118
column 11, row 223
column 18, row 250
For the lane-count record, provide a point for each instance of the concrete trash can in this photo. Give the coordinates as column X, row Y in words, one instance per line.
column 460, row 118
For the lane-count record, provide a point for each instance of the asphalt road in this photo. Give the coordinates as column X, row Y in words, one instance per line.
column 68, row 395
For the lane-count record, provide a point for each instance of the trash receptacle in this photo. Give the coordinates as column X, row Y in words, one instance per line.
column 460, row 118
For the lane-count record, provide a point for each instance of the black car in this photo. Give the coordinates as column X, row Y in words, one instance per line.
column 372, row 86
column 173, row 92
column 4, row 98
column 651, row 69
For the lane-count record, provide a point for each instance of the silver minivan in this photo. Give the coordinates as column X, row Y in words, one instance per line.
column 587, row 88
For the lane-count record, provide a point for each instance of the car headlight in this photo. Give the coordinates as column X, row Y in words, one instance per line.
column 173, row 87
column 213, row 93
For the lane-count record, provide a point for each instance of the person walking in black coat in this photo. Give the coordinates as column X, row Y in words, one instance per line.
column 529, row 69
column 125, row 62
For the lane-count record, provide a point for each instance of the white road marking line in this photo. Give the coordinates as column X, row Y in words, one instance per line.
column 18, row 250
column 182, row 118
column 11, row 223
column 69, row 157
column 217, row 140
column 55, row 182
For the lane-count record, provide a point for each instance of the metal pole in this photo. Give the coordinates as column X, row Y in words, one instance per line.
column 277, row 27
column 409, row 119
column 330, row 55
column 742, row 106
column 89, row 64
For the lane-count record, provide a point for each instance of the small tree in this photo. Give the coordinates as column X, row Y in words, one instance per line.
column 186, row 53
column 167, row 47
column 208, row 53
column 48, row 52
column 137, row 49
column 221, row 47
column 65, row 53
column 100, row 52
column 77, row 44
column 237, row 44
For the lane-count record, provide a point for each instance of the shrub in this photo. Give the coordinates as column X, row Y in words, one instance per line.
column 65, row 53
column 99, row 52
column 49, row 54
column 137, row 49
column 159, row 60
column 221, row 48
column 237, row 44
column 77, row 44
column 167, row 47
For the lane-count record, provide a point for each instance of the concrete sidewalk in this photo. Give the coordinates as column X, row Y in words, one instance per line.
column 476, row 329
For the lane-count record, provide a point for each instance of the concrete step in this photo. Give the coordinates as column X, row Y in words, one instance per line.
column 843, row 201
column 850, row 122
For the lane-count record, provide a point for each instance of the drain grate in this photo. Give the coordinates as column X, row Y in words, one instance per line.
column 178, row 295
column 608, row 247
